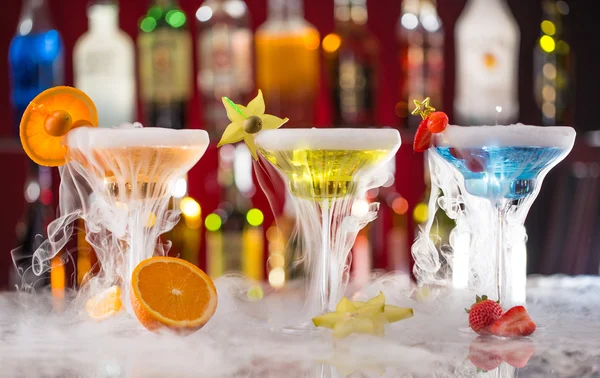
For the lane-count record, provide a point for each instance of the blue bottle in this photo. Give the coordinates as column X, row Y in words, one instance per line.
column 35, row 57
column 35, row 60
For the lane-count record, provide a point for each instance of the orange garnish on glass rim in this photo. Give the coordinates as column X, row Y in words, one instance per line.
column 49, row 117
column 168, row 292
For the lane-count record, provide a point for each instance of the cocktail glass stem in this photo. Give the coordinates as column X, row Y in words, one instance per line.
column 501, row 213
column 325, row 259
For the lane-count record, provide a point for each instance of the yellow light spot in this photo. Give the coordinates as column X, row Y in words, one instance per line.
column 547, row 43
column 190, row 208
column 277, row 278
column 420, row 213
column 57, row 276
column 400, row 205
column 121, row 205
column 151, row 220
column 213, row 222
column 255, row 293
column 548, row 27
column 255, row 217
column 489, row 60
column 331, row 43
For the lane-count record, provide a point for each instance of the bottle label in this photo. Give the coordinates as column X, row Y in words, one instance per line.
column 355, row 83
column 98, row 63
column 225, row 61
column 487, row 78
column 165, row 65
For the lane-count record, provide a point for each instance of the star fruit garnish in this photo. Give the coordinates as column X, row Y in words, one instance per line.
column 361, row 317
column 246, row 121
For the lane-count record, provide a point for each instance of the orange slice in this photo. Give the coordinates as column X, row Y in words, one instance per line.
column 104, row 304
column 167, row 292
column 49, row 117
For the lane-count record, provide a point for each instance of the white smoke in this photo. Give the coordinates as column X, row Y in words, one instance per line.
column 119, row 182
column 468, row 260
column 36, row 341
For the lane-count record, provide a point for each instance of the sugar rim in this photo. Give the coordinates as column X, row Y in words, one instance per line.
column 94, row 137
column 517, row 135
column 329, row 139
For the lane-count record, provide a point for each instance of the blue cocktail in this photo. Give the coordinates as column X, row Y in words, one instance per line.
column 500, row 170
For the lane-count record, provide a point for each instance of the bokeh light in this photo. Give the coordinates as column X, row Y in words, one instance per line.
column 400, row 205
column 212, row 222
column 255, row 217
column 331, row 43
column 547, row 43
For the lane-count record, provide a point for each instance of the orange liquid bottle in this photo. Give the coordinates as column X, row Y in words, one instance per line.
column 287, row 56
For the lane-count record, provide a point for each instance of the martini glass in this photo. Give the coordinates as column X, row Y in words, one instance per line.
column 119, row 181
column 504, row 166
column 328, row 172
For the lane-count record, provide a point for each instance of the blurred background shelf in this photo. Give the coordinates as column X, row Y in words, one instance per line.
column 386, row 45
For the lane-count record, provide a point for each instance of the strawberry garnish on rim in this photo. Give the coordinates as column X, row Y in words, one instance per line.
column 433, row 122
column 422, row 137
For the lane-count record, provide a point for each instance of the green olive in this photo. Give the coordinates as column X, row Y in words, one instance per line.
column 252, row 125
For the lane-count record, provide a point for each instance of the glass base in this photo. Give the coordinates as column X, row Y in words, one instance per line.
column 466, row 331
column 306, row 328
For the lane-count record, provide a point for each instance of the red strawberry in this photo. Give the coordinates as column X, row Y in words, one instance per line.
column 485, row 353
column 483, row 314
column 474, row 164
column 454, row 152
column 438, row 121
column 474, row 159
column 517, row 352
column 422, row 137
column 514, row 323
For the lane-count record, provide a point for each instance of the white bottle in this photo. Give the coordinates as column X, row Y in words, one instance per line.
column 104, row 65
column 487, row 53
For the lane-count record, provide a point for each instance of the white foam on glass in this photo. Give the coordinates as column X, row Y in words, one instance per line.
column 518, row 135
column 94, row 137
column 329, row 139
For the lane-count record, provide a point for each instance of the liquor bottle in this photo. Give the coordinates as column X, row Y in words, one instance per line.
column 31, row 230
column 36, row 63
column 487, row 51
column 421, row 38
column 35, row 57
column 234, row 231
column 165, row 64
column 287, row 59
column 104, row 64
column 224, row 59
column 351, row 55
column 553, row 65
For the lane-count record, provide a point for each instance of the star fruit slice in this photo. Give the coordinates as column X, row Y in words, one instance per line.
column 361, row 317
